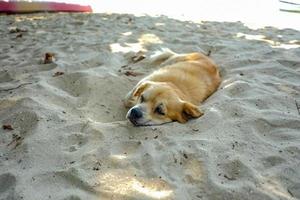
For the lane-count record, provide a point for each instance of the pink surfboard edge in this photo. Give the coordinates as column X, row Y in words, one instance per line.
column 26, row 7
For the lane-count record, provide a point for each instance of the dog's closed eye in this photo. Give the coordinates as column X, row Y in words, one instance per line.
column 159, row 110
column 142, row 99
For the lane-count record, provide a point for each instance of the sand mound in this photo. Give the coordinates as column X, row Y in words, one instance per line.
column 65, row 135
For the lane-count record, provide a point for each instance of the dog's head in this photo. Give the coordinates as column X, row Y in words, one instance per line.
column 158, row 103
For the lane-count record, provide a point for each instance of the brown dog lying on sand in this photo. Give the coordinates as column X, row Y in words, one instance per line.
column 173, row 92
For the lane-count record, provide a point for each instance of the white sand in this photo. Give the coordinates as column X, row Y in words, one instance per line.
column 71, row 139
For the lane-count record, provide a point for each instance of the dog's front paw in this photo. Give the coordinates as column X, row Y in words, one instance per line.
column 127, row 103
column 129, row 100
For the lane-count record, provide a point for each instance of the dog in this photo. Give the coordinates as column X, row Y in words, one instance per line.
column 173, row 92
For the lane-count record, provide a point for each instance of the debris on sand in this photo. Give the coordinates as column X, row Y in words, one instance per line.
column 138, row 57
column 15, row 29
column 131, row 73
column 49, row 58
column 7, row 127
column 58, row 74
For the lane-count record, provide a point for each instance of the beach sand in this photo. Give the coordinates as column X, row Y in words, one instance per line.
column 63, row 131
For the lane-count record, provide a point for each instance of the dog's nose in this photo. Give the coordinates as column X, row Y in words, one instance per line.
column 136, row 113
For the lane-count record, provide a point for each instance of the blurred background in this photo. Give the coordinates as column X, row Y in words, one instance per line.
column 253, row 13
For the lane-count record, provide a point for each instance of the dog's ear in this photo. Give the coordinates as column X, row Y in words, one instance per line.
column 181, row 118
column 138, row 91
column 131, row 98
column 189, row 110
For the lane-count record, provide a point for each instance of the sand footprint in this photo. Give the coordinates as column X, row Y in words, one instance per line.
column 72, row 197
column 122, row 184
column 69, row 178
column 194, row 170
column 294, row 151
column 238, row 89
column 294, row 190
column 75, row 83
column 129, row 147
column 76, row 141
column 235, row 170
column 79, row 135
column 95, row 100
column 7, row 103
column 20, row 118
column 23, row 121
column 93, row 133
column 293, row 64
column 269, row 128
column 7, row 185
column 5, row 77
column 272, row 161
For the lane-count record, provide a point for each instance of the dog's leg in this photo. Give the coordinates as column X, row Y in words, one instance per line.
column 160, row 57
column 129, row 100
column 168, row 57
column 132, row 97
column 183, row 58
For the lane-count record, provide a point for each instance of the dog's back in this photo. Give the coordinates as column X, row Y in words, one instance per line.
column 196, row 75
column 174, row 91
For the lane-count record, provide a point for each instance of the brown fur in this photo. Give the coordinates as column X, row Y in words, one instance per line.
column 178, row 88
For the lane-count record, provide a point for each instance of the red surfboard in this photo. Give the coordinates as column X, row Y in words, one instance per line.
column 27, row 7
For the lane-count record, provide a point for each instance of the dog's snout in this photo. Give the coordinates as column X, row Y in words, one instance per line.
column 136, row 113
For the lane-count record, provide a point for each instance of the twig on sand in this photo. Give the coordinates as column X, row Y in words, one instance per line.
column 289, row 2
column 132, row 73
column 298, row 107
column 58, row 74
column 290, row 193
column 229, row 178
column 16, row 141
column 208, row 53
column 8, row 89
